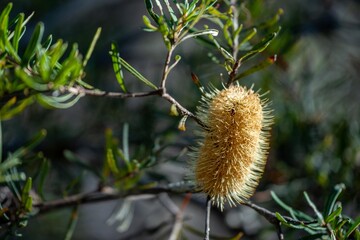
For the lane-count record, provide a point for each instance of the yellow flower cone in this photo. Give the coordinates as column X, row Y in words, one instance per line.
column 230, row 160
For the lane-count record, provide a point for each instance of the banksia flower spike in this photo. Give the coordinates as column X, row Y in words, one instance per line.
column 231, row 156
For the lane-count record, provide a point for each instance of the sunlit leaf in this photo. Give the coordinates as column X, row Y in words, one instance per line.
column 18, row 31
column 150, row 9
column 51, row 102
column 92, row 46
column 9, row 111
column 33, row 44
column 260, row 47
column 111, row 161
column 135, row 73
column 116, row 62
column 31, row 81
column 25, row 195
column 256, row 68
column 331, row 200
column 296, row 214
column 212, row 32
column 333, row 215
column 148, row 24
column 353, row 227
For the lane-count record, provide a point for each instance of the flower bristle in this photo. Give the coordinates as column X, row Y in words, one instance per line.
column 230, row 158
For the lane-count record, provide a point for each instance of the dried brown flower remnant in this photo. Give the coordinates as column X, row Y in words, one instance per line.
column 231, row 158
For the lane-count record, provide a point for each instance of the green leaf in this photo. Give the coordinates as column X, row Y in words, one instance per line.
column 333, row 215
column 56, row 52
column 212, row 32
column 272, row 21
column 226, row 32
column 9, row 163
column 256, row 68
column 353, row 227
column 92, row 46
column 281, row 218
column 51, row 102
column 25, row 195
column 44, row 170
column 4, row 18
column 5, row 44
column 150, row 9
column 72, row 223
column 111, row 162
column 47, row 44
column 135, row 73
column 10, row 109
column 30, row 81
column 192, row 5
column 295, row 213
column 28, row 204
column 148, row 24
column 10, row 49
column 115, row 58
column 18, row 31
column 248, row 37
column 171, row 11
column 44, row 66
column 69, row 72
column 33, row 44
column 260, row 47
column 312, row 205
column 331, row 200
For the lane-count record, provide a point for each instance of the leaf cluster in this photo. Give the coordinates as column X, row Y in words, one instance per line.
column 176, row 27
column 331, row 223
column 39, row 71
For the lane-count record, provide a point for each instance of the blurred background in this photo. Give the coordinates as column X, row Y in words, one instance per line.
column 314, row 88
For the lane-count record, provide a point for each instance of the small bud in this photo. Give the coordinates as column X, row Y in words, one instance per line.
column 182, row 122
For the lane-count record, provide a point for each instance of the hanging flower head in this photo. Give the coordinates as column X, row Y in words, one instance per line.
column 231, row 157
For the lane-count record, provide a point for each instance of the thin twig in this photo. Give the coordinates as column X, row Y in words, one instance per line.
column 101, row 196
column 177, row 188
column 159, row 92
column 235, row 22
column 167, row 69
column 235, row 45
column 271, row 216
column 279, row 231
column 99, row 93
column 207, row 222
column 183, row 111
column 233, row 72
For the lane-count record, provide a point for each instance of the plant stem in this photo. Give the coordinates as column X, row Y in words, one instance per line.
column 207, row 222
column 235, row 46
column 99, row 93
column 167, row 69
column 160, row 92
column 279, row 231
column 235, row 22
